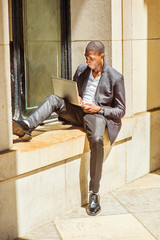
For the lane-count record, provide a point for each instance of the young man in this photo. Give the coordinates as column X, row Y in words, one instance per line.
column 101, row 90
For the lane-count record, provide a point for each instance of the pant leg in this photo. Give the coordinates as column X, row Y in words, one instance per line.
column 95, row 125
column 53, row 103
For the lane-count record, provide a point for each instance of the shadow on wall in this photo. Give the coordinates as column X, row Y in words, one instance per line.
column 87, row 26
column 22, row 239
column 153, row 54
column 153, row 80
column 85, row 167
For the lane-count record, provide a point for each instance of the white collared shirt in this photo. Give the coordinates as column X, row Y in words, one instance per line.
column 89, row 93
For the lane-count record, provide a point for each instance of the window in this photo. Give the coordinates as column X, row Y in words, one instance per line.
column 41, row 49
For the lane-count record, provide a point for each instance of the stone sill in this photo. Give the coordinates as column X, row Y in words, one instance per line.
column 55, row 133
column 52, row 144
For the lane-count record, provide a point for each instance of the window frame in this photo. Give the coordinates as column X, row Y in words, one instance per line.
column 18, row 101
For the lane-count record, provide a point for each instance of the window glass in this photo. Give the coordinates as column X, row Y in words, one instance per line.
column 42, row 48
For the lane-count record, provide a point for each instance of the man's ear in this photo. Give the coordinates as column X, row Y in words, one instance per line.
column 102, row 55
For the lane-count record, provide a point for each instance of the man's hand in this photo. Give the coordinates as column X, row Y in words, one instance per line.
column 81, row 101
column 90, row 108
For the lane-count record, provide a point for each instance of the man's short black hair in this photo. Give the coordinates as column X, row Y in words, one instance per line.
column 95, row 46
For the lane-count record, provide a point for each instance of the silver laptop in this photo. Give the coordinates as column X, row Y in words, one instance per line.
column 66, row 89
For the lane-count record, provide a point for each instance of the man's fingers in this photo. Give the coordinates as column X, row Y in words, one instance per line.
column 86, row 110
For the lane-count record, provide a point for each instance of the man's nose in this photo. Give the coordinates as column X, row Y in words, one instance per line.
column 88, row 61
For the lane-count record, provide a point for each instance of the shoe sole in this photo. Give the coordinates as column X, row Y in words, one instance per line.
column 17, row 130
column 92, row 214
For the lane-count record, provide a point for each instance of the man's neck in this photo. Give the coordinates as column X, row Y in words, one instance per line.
column 97, row 71
column 96, row 74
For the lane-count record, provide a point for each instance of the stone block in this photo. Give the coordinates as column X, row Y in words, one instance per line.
column 155, row 140
column 116, row 23
column 139, row 20
column 5, row 102
column 127, row 70
column 139, row 75
column 4, row 20
column 40, row 198
column 46, row 148
column 85, row 24
column 73, row 191
column 127, row 19
column 127, row 129
column 117, row 55
column 113, row 175
column 153, row 9
column 124, row 226
column 153, row 82
column 45, row 232
column 8, row 165
column 8, row 210
column 149, row 181
column 84, row 177
column 139, row 201
column 138, row 150
column 77, row 181
column 151, row 221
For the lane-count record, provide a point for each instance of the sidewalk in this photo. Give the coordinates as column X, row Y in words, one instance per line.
column 129, row 213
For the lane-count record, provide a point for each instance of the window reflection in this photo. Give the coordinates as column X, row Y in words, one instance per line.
column 42, row 48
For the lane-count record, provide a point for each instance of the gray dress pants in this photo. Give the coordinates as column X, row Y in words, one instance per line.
column 94, row 125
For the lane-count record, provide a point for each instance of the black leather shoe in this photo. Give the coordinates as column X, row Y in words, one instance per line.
column 93, row 207
column 22, row 130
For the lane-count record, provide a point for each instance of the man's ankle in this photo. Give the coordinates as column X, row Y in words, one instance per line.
column 92, row 192
column 28, row 124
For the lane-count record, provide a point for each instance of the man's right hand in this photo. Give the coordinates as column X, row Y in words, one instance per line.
column 81, row 101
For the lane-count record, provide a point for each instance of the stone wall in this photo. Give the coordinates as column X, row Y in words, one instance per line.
column 5, row 90
column 130, row 32
column 33, row 188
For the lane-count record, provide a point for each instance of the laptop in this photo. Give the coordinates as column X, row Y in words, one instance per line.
column 66, row 89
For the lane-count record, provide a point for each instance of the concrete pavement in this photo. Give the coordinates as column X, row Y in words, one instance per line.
column 129, row 213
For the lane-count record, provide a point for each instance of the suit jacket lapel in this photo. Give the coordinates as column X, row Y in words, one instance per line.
column 104, row 75
column 83, row 79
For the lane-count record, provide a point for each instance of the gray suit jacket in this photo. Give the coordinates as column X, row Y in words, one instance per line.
column 110, row 95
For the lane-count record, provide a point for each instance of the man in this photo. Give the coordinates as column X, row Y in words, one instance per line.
column 101, row 90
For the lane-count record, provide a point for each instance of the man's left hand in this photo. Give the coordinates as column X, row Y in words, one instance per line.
column 91, row 108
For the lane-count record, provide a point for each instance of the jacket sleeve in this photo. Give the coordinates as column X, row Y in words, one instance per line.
column 75, row 77
column 81, row 68
column 117, row 110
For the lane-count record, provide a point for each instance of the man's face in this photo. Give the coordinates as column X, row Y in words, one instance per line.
column 94, row 60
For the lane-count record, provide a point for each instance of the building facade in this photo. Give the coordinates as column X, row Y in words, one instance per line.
column 39, row 39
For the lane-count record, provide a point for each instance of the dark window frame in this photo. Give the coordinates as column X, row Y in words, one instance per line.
column 17, row 61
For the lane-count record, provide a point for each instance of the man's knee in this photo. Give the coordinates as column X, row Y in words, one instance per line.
column 53, row 99
column 94, row 121
column 96, row 140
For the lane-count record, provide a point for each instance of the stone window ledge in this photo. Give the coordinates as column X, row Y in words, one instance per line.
column 52, row 144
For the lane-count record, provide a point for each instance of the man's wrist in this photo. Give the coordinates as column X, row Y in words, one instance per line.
column 98, row 109
column 101, row 111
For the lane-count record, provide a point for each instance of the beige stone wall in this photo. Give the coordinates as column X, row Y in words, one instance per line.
column 5, row 90
column 104, row 24
column 130, row 31
column 86, row 26
column 141, row 30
